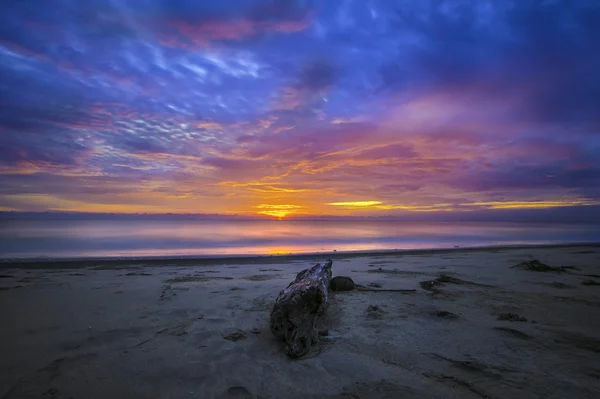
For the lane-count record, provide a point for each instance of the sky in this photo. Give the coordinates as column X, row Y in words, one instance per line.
column 287, row 108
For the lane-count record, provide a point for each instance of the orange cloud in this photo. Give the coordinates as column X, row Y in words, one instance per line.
column 355, row 204
column 354, row 119
column 532, row 204
column 289, row 98
column 203, row 32
column 378, row 205
column 209, row 125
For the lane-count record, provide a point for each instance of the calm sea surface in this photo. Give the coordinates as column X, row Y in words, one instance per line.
column 62, row 239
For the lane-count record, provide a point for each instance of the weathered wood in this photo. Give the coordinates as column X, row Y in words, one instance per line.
column 297, row 307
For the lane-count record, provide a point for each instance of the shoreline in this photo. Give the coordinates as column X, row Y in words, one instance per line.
column 206, row 260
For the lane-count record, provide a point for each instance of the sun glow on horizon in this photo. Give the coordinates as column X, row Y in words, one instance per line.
column 278, row 211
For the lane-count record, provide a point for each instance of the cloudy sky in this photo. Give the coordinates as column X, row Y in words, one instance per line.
column 349, row 107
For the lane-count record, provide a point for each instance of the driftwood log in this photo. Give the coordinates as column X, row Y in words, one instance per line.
column 297, row 307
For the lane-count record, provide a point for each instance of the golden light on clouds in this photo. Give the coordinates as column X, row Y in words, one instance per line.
column 418, row 208
column 274, row 189
column 264, row 187
column 355, row 204
column 532, row 204
column 378, row 205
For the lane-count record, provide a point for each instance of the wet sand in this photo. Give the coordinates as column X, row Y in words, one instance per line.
column 473, row 328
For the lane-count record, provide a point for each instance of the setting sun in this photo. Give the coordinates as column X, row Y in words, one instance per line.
column 278, row 211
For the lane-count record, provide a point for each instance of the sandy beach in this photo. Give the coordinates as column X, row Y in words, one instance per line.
column 475, row 327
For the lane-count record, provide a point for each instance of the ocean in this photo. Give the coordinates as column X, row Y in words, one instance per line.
column 137, row 238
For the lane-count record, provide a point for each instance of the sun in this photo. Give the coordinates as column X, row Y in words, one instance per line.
column 276, row 214
column 278, row 211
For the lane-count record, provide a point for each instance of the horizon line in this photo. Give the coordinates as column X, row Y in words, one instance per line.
column 589, row 214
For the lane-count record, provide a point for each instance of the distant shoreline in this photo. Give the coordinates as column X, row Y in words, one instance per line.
column 116, row 261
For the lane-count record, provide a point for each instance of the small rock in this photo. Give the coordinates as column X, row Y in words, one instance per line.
column 446, row 315
column 255, row 331
column 234, row 334
column 429, row 284
column 511, row 317
column 51, row 392
column 237, row 392
column 514, row 333
column 557, row 284
column 342, row 283
column 323, row 333
column 590, row 282
column 374, row 285
column 535, row 265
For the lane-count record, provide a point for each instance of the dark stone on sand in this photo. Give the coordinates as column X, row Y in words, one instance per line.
column 323, row 333
column 374, row 285
column 192, row 279
column 262, row 277
column 237, row 393
column 11, row 288
column 429, row 285
column 5, row 276
column 590, row 282
column 537, row 266
column 51, row 392
column 446, row 315
column 511, row 317
column 255, row 331
column 342, row 283
column 233, row 334
column 514, row 333
column 443, row 278
column 557, row 284
column 447, row 279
